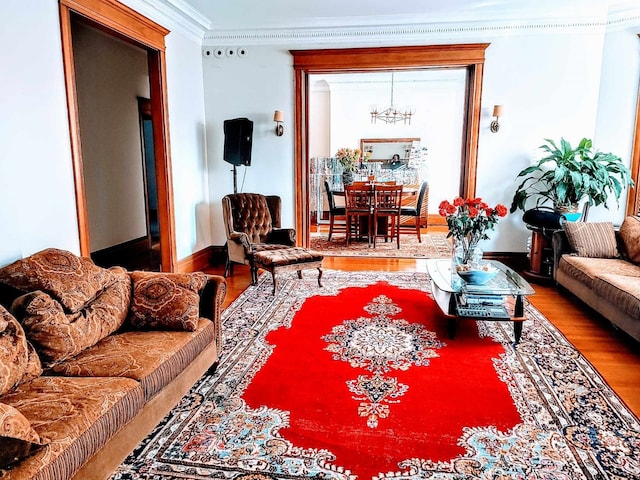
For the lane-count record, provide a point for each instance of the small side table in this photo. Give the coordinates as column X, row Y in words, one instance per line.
column 541, row 255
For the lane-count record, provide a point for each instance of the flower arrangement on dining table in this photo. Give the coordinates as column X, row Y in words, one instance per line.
column 349, row 158
column 468, row 221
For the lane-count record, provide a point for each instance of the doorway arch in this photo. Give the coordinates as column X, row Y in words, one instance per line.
column 307, row 62
column 124, row 23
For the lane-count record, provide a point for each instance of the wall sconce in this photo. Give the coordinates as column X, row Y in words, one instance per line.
column 278, row 117
column 497, row 112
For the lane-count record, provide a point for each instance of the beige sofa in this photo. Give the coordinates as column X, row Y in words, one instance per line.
column 92, row 359
column 601, row 266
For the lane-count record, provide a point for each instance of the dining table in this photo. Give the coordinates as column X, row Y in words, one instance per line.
column 409, row 195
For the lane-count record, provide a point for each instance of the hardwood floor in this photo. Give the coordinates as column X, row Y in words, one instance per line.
column 614, row 355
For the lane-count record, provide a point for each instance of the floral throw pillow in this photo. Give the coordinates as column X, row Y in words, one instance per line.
column 19, row 362
column 166, row 301
column 59, row 335
column 592, row 239
column 17, row 438
column 73, row 281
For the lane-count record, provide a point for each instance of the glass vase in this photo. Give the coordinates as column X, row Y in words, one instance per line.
column 464, row 253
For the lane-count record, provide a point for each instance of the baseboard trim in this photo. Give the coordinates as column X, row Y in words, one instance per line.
column 197, row 261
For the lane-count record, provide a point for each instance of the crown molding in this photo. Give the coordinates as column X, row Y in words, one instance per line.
column 177, row 15
column 390, row 34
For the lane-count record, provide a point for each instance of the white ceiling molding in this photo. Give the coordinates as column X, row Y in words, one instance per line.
column 392, row 34
column 176, row 15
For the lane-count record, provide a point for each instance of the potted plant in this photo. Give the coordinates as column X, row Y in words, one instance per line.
column 567, row 175
column 348, row 158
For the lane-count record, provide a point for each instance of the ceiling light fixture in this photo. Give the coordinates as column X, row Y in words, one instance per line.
column 391, row 114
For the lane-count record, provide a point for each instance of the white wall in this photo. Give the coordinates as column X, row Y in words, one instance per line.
column 188, row 149
column 37, row 202
column 549, row 86
column 253, row 87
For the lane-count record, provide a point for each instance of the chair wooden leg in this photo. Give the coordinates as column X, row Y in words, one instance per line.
column 254, row 274
column 228, row 268
column 330, row 226
column 418, row 228
column 348, row 228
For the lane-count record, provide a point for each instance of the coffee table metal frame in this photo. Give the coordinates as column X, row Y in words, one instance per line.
column 447, row 287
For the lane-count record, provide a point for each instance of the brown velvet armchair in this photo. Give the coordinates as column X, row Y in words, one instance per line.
column 252, row 224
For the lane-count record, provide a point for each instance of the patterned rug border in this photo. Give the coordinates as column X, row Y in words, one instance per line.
column 433, row 245
column 574, row 425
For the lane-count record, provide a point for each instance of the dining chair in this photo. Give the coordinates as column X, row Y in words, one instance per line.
column 358, row 210
column 416, row 213
column 334, row 212
column 387, row 205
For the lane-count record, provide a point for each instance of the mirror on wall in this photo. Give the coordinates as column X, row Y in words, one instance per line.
column 391, row 153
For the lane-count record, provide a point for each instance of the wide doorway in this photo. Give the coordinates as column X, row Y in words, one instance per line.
column 468, row 58
column 422, row 143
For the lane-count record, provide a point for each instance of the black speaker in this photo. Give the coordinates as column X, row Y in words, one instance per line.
column 543, row 218
column 238, row 135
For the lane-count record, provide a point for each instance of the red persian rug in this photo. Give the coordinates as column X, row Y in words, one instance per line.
column 358, row 379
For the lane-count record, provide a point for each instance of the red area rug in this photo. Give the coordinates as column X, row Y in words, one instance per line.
column 358, row 379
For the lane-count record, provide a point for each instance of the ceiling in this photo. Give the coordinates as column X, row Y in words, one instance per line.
column 237, row 15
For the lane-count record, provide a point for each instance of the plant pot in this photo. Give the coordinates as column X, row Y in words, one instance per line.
column 570, row 212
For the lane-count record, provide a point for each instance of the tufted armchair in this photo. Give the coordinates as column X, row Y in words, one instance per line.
column 252, row 224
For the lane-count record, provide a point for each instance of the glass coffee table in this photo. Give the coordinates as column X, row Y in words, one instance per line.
column 500, row 299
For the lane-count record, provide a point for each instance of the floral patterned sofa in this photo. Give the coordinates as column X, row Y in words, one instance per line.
column 91, row 359
column 601, row 266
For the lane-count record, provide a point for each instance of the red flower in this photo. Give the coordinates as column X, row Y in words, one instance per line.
column 501, row 210
column 473, row 212
column 450, row 209
column 458, row 201
column 488, row 211
column 443, row 204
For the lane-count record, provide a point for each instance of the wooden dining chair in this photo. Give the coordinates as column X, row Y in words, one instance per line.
column 335, row 211
column 358, row 210
column 386, row 206
column 415, row 212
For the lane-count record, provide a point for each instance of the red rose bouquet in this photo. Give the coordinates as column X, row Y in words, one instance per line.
column 468, row 221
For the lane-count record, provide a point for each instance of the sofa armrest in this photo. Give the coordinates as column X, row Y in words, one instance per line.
column 282, row 236
column 211, row 300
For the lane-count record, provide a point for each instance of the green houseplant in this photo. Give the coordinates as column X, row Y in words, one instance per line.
column 567, row 175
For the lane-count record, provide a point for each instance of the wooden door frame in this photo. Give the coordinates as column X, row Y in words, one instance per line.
column 357, row 60
column 122, row 22
column 633, row 198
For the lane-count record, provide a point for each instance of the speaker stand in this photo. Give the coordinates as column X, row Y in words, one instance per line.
column 235, row 180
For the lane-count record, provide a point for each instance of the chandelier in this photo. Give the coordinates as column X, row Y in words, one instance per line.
column 391, row 114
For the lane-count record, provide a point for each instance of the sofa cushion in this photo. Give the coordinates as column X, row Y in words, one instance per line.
column 18, row 360
column 17, row 438
column 58, row 335
column 169, row 301
column 592, row 239
column 585, row 269
column 630, row 236
column 621, row 290
column 153, row 358
column 73, row 281
column 76, row 415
